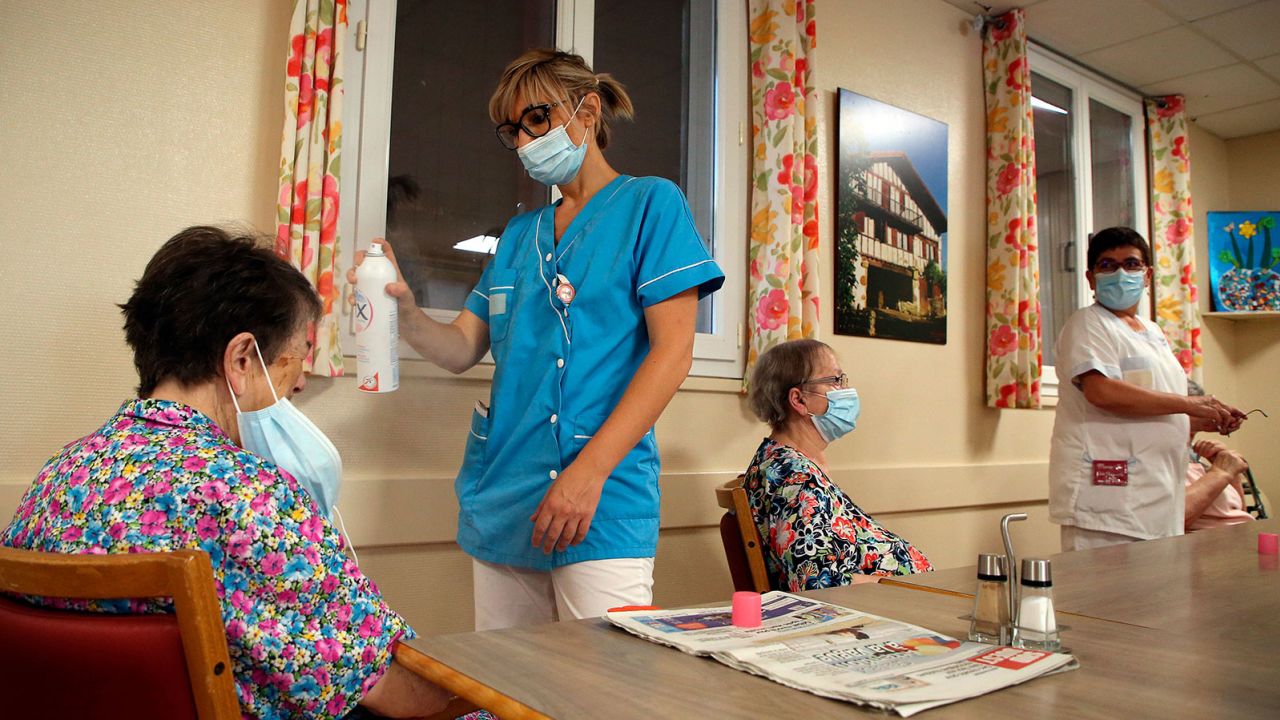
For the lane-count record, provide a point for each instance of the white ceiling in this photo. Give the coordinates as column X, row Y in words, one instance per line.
column 1224, row 55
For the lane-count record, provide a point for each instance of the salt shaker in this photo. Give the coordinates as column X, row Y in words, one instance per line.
column 1037, row 624
column 990, row 602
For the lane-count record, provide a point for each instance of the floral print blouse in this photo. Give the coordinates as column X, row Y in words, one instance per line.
column 308, row 633
column 816, row 537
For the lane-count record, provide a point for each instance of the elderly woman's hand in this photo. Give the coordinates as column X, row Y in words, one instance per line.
column 399, row 289
column 1230, row 462
column 1208, row 449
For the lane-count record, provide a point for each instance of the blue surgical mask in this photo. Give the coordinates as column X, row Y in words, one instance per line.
column 841, row 417
column 554, row 159
column 282, row 434
column 1119, row 290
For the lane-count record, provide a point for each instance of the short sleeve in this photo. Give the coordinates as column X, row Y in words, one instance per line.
column 478, row 299
column 309, row 634
column 671, row 257
column 1086, row 345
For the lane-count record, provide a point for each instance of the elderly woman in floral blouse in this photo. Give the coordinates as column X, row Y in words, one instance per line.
column 816, row 536
column 219, row 327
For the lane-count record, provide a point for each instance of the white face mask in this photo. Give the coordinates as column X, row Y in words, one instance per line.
column 554, row 159
column 282, row 434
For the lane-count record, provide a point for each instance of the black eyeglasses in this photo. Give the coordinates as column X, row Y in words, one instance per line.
column 535, row 121
column 840, row 381
column 1107, row 265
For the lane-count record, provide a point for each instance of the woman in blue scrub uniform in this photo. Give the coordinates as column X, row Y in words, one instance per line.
column 589, row 307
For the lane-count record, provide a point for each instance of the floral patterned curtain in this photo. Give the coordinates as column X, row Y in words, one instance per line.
column 783, row 288
column 1013, row 277
column 307, row 205
column 1171, row 223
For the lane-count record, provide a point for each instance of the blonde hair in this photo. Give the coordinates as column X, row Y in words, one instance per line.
column 547, row 75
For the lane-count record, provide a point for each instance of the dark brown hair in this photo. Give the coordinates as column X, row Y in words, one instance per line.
column 202, row 288
column 1115, row 237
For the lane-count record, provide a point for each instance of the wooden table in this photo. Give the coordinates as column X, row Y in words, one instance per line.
column 1187, row 584
column 589, row 669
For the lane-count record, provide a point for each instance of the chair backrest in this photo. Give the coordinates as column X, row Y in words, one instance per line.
column 1253, row 503
column 742, row 547
column 65, row 663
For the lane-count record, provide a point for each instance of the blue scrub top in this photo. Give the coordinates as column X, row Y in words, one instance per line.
column 560, row 370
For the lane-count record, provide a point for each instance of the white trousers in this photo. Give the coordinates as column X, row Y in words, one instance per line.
column 507, row 596
column 1075, row 538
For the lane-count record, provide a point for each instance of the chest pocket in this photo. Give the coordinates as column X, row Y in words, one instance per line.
column 502, row 296
column 1138, row 370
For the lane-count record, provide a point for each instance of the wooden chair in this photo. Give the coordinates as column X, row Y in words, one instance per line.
column 742, row 547
column 61, row 663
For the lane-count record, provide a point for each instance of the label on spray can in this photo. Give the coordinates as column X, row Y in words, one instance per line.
column 376, row 324
column 364, row 312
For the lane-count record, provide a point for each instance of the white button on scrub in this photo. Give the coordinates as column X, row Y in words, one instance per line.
column 553, row 474
column 554, row 417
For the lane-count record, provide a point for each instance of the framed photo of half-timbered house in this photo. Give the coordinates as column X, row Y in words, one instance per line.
column 891, row 222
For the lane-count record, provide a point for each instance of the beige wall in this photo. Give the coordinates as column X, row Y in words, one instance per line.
column 121, row 123
column 1209, row 190
column 1255, row 185
column 119, row 130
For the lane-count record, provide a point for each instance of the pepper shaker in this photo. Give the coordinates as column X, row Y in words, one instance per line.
column 990, row 602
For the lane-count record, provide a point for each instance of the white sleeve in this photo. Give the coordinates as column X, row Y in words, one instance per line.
column 1087, row 344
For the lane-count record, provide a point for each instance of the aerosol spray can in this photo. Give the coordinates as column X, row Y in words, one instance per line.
column 377, row 330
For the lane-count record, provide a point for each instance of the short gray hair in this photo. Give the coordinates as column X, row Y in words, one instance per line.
column 779, row 369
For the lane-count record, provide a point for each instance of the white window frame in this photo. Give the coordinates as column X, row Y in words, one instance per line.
column 370, row 49
column 1085, row 85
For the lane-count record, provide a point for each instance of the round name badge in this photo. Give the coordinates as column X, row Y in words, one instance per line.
column 565, row 292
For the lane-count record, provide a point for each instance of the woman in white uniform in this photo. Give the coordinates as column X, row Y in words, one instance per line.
column 1118, row 456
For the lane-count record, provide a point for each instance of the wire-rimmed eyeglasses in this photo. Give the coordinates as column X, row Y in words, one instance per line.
column 1107, row 265
column 840, row 381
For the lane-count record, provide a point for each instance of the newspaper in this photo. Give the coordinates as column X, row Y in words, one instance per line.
column 841, row 653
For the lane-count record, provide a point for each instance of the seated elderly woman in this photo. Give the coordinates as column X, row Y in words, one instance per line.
column 212, row 456
column 816, row 536
column 1214, row 482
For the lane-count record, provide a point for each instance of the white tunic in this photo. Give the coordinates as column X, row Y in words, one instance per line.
column 1094, row 450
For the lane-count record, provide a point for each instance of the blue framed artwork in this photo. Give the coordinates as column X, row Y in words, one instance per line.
column 1244, row 261
column 891, row 222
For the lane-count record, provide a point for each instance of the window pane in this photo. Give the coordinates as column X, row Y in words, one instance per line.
column 1112, row 158
column 663, row 52
column 450, row 179
column 1055, row 209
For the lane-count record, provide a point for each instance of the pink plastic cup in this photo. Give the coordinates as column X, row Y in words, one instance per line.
column 746, row 609
column 1268, row 544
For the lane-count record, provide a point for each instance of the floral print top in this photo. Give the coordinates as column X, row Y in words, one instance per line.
column 308, row 633
column 816, row 537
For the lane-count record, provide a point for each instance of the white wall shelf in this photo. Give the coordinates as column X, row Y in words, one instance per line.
column 1244, row 315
